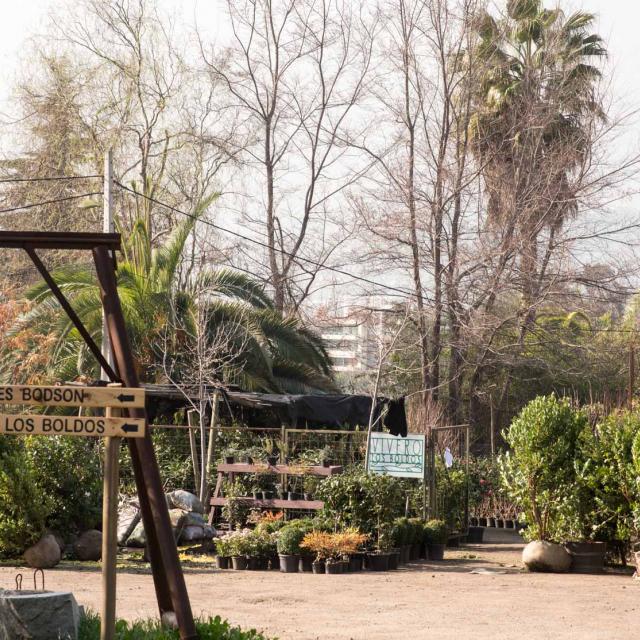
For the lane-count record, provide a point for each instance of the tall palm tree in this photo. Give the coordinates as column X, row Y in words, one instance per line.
column 162, row 307
column 534, row 107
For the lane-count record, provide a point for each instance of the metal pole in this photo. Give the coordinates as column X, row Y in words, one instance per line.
column 107, row 227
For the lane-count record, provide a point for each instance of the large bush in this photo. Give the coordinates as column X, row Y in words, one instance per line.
column 368, row 502
column 68, row 471
column 613, row 475
column 24, row 507
column 541, row 473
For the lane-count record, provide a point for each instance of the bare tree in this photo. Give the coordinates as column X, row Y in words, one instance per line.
column 296, row 72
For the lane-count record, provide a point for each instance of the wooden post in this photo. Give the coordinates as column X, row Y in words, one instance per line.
column 213, row 433
column 493, row 426
column 194, row 450
column 109, row 535
column 632, row 374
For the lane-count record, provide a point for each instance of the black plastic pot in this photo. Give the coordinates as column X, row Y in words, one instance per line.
column 257, row 563
column 326, row 463
column 394, row 559
column 500, row 523
column 292, row 495
column 222, row 562
column 317, row 566
column 289, row 564
column 473, row 521
column 248, row 459
column 272, row 460
column 508, row 524
column 305, row 563
column 274, row 562
column 491, row 522
column 266, row 495
column 256, row 494
column 356, row 561
column 239, row 563
column 333, row 568
column 414, row 553
column 378, row 561
column 482, row 522
column 405, row 553
column 586, row 557
column 436, row 551
column 229, row 459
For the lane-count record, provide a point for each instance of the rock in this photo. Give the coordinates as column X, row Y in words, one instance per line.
column 184, row 500
column 192, row 533
column 138, row 538
column 128, row 518
column 89, row 545
column 546, row 556
column 43, row 554
column 177, row 517
column 208, row 532
column 193, row 519
column 32, row 615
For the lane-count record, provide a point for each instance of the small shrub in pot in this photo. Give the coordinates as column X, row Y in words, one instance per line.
column 435, row 537
column 289, row 539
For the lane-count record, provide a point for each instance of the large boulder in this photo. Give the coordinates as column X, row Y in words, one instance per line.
column 89, row 545
column 44, row 554
column 193, row 519
column 138, row 538
column 546, row 556
column 191, row 533
column 128, row 518
column 184, row 500
column 35, row 615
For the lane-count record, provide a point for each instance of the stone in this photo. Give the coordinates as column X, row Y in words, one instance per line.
column 184, row 500
column 546, row 556
column 177, row 517
column 89, row 545
column 44, row 554
column 193, row 519
column 38, row 615
column 128, row 518
column 191, row 533
column 208, row 532
column 138, row 538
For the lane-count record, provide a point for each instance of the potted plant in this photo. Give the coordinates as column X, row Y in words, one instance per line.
column 223, row 551
column 238, row 548
column 540, row 474
column 288, row 545
column 320, row 544
column 378, row 559
column 435, row 536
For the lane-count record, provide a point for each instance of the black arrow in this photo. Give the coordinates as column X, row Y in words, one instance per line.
column 130, row 428
column 123, row 398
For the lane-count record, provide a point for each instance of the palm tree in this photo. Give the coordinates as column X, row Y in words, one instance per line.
column 162, row 306
column 534, row 103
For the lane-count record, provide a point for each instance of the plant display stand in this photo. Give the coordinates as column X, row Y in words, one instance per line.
column 230, row 470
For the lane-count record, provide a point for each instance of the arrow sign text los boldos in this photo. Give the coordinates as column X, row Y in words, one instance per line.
column 98, row 427
column 54, row 396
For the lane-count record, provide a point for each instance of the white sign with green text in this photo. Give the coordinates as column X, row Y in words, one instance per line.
column 397, row 456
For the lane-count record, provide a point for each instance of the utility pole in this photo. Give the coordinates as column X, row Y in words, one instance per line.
column 111, row 452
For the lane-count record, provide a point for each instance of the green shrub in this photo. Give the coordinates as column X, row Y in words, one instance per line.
column 68, row 471
column 208, row 629
column 364, row 501
column 613, row 476
column 435, row 532
column 541, row 472
column 24, row 508
column 289, row 539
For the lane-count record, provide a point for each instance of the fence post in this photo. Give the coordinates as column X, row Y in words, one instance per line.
column 213, row 434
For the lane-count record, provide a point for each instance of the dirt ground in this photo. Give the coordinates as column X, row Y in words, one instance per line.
column 425, row 600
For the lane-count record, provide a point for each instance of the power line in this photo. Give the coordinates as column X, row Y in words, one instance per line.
column 266, row 246
column 49, row 178
column 55, row 201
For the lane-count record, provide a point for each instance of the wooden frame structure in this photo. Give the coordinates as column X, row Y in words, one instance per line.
column 170, row 587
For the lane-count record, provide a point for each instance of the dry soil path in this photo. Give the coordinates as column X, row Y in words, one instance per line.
column 428, row 600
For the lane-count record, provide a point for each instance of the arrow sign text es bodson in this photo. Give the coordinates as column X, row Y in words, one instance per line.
column 58, row 396
column 97, row 427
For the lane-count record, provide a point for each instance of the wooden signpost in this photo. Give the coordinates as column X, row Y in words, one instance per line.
column 37, row 425
column 112, row 427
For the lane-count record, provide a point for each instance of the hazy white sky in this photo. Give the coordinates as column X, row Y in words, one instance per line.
column 619, row 21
